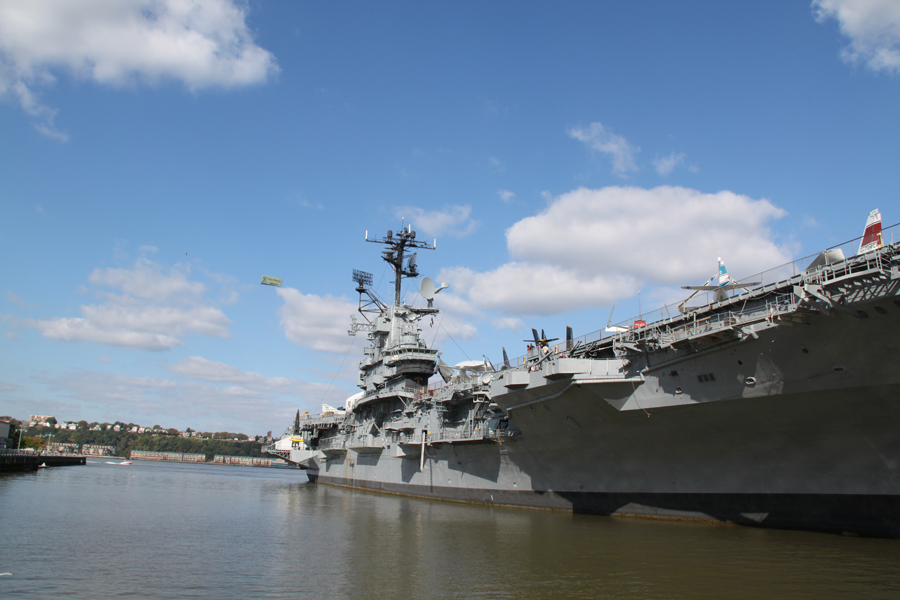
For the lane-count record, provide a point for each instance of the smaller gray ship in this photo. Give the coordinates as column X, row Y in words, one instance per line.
column 771, row 404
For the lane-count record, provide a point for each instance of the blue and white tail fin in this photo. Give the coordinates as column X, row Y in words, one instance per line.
column 871, row 239
column 724, row 278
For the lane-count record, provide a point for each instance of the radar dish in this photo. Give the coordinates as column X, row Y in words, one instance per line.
column 426, row 288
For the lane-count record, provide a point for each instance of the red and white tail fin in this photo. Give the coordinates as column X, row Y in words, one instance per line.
column 871, row 239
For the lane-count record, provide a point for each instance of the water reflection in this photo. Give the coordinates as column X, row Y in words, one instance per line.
column 200, row 531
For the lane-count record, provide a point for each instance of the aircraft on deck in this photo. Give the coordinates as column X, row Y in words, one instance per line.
column 721, row 288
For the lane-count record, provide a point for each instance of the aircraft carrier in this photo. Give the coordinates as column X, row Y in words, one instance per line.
column 772, row 404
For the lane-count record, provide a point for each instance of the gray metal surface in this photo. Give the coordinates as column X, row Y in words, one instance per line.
column 777, row 407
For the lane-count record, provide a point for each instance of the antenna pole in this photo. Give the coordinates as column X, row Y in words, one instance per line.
column 394, row 254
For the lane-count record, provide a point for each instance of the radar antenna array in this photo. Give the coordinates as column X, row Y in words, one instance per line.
column 363, row 280
column 370, row 304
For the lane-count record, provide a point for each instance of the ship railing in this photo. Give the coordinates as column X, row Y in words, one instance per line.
column 703, row 325
column 281, row 453
column 332, row 443
column 439, row 391
column 796, row 268
column 471, row 432
column 696, row 325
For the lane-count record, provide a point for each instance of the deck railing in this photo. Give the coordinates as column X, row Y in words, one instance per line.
column 821, row 275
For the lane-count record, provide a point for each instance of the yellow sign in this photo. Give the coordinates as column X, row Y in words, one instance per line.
column 266, row 280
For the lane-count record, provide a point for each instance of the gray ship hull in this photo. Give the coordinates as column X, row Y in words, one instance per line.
column 778, row 406
column 809, row 445
column 829, row 461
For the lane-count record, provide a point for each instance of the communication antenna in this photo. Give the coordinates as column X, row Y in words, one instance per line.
column 395, row 254
column 427, row 289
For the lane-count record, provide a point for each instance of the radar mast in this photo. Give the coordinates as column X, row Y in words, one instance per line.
column 394, row 253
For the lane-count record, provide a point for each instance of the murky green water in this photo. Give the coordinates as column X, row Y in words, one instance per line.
column 157, row 530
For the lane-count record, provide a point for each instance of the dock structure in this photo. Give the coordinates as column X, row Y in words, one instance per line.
column 167, row 456
column 14, row 460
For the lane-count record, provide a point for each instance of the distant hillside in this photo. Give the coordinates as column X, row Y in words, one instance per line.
column 125, row 442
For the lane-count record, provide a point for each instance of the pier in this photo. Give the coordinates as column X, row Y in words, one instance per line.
column 12, row 460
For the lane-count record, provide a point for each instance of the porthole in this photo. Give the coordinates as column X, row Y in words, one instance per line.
column 880, row 310
column 750, row 381
column 804, row 350
column 678, row 390
column 862, row 314
column 740, row 362
column 838, row 369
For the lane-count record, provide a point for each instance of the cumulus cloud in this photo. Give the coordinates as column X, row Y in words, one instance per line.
column 597, row 246
column 201, row 43
column 506, row 195
column 511, row 323
column 599, row 139
column 146, row 280
column 665, row 165
column 872, row 26
column 232, row 407
column 455, row 220
column 317, row 322
column 15, row 299
column 153, row 310
column 197, row 367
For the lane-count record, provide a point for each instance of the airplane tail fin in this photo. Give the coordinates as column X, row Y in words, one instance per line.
column 505, row 359
column 872, row 239
column 723, row 273
column 570, row 339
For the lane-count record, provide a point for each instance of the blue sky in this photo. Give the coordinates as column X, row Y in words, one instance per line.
column 158, row 157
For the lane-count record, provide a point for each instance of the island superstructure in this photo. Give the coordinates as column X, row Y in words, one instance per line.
column 775, row 404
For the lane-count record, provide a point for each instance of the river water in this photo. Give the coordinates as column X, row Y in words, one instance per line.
column 163, row 530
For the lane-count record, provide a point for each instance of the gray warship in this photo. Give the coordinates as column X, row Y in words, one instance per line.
column 770, row 404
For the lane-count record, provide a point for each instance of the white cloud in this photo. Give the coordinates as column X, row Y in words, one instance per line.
column 146, row 399
column 7, row 387
column 197, row 367
column 531, row 288
column 455, row 220
column 153, row 311
column 141, row 327
column 666, row 164
column 511, row 323
column 200, row 43
column 317, row 322
column 506, row 195
column 447, row 324
column 873, row 27
column 15, row 299
column 599, row 139
column 146, row 280
column 592, row 247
